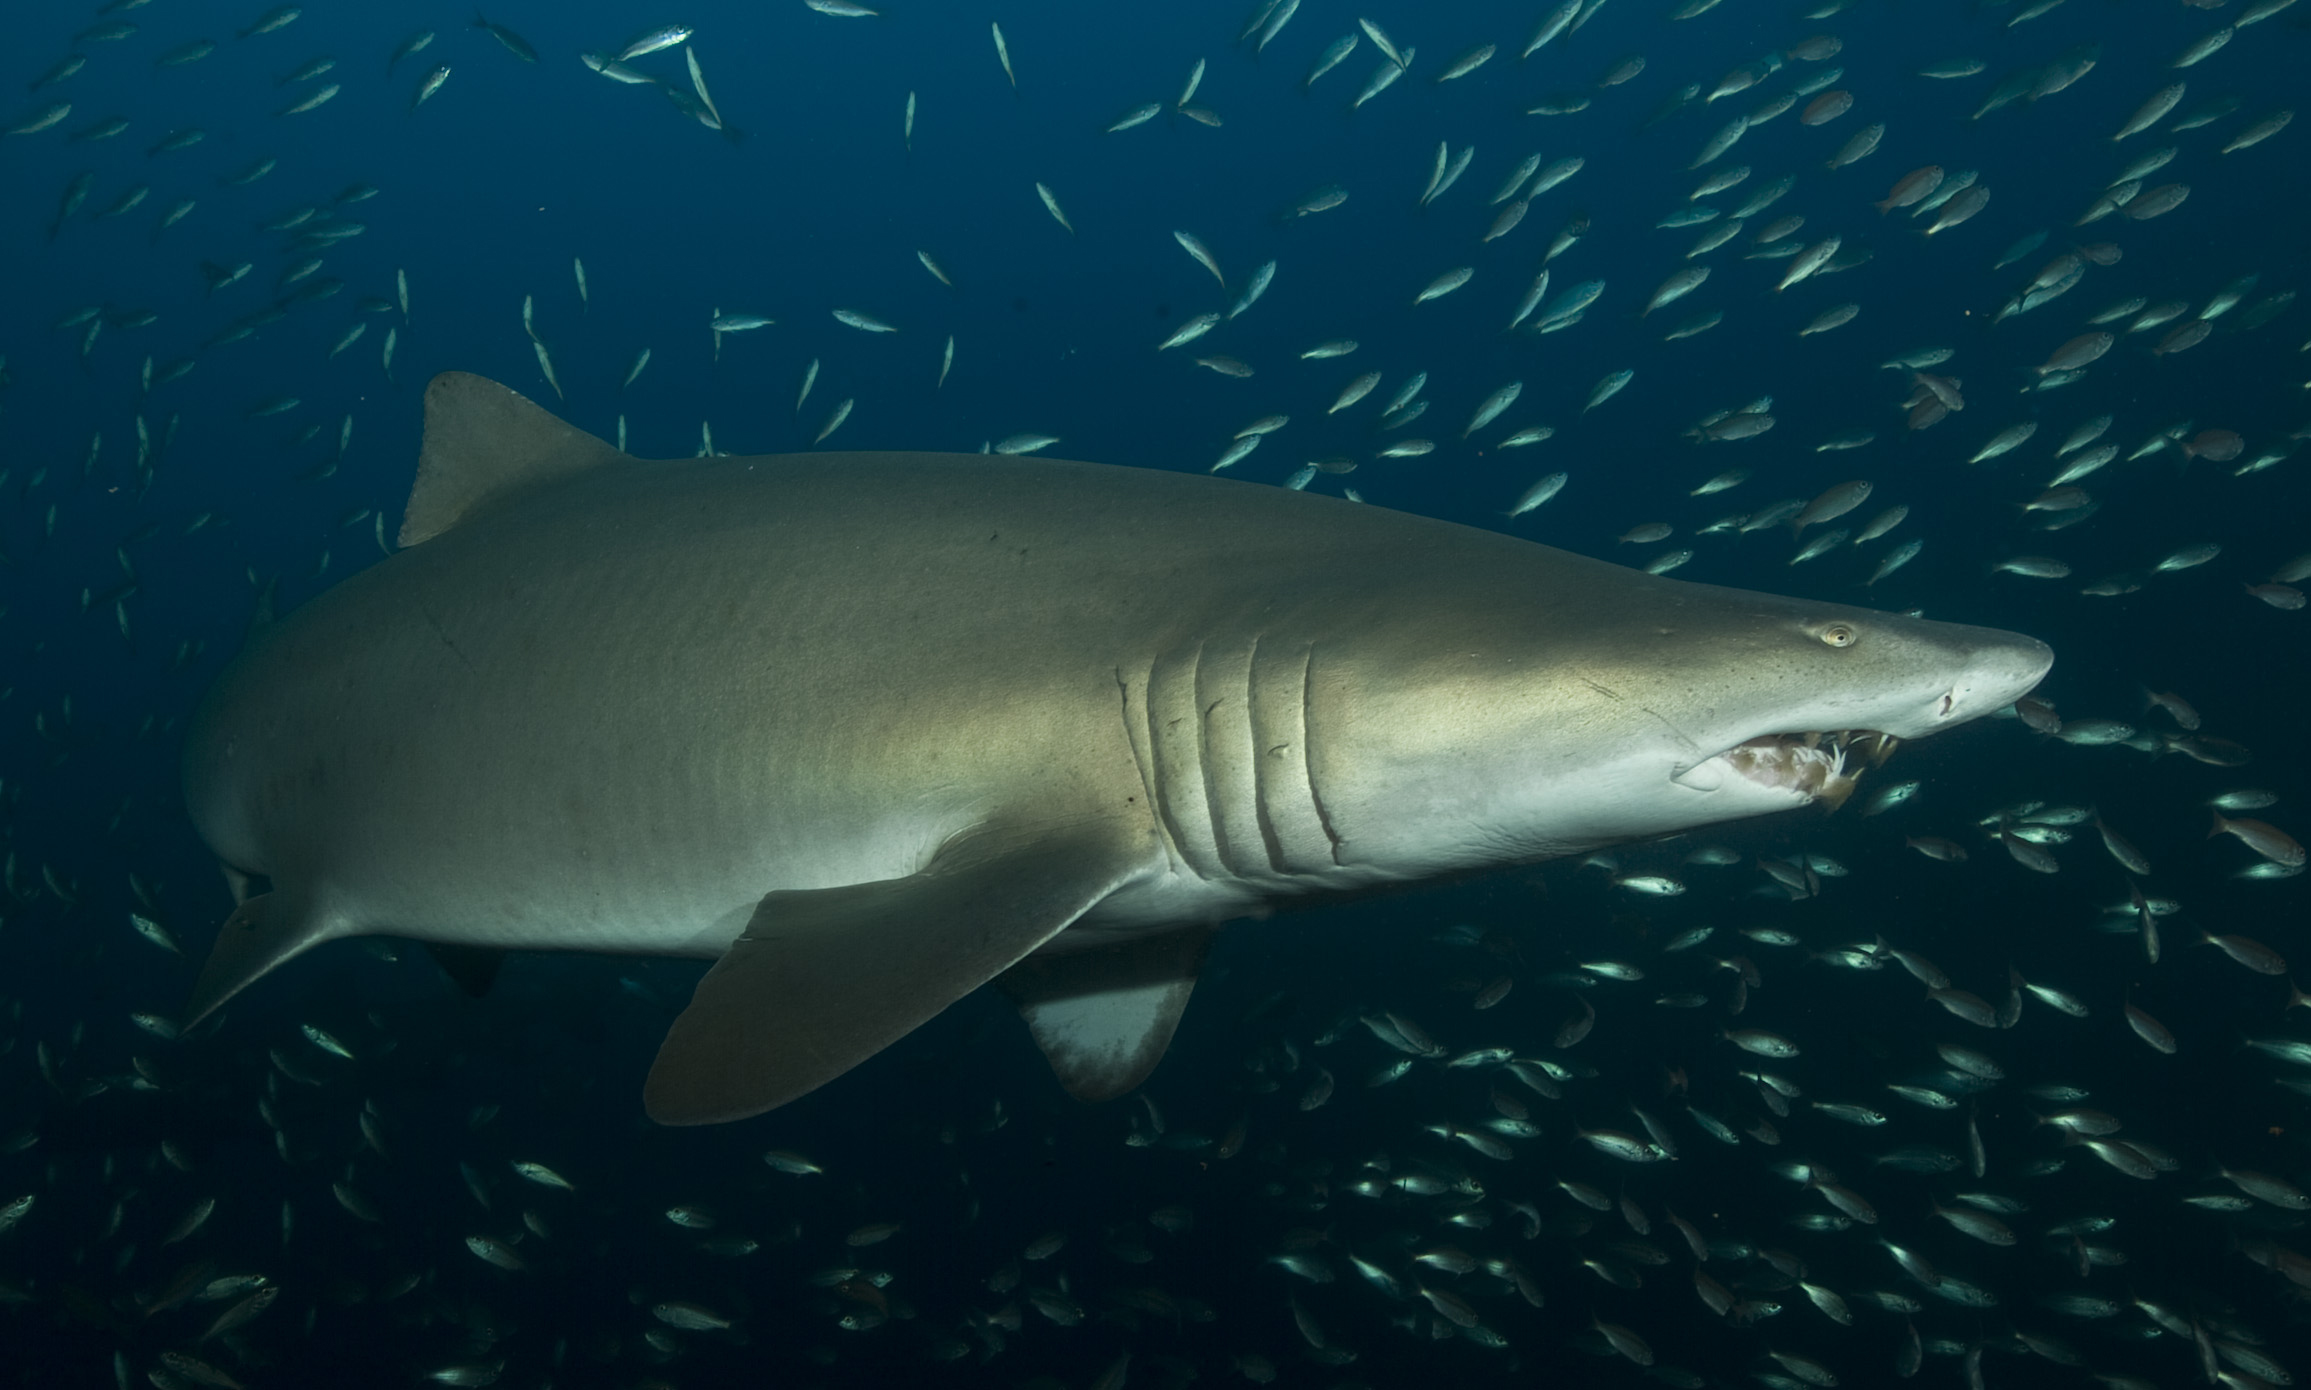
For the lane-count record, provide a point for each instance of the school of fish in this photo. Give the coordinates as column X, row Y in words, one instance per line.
column 1996, row 1076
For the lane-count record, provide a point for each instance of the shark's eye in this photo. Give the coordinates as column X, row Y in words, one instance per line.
column 1839, row 635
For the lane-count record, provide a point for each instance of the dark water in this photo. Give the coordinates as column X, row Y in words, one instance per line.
column 487, row 193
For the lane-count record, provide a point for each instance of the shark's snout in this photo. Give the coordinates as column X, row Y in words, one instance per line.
column 1999, row 672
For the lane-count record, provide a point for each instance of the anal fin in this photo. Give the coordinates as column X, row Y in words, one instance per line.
column 1104, row 1015
column 823, row 979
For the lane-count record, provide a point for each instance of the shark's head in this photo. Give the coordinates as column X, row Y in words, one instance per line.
column 1628, row 707
column 1786, row 702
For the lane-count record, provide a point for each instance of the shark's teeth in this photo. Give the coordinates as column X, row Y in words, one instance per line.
column 1817, row 766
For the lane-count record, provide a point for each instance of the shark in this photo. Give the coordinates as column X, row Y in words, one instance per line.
column 872, row 730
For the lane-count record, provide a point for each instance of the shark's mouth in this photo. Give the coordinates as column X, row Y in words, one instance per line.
column 1816, row 766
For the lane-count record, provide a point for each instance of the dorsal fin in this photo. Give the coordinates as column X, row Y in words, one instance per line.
column 483, row 443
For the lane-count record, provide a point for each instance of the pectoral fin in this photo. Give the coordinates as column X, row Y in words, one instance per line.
column 263, row 932
column 823, row 979
column 1104, row 1016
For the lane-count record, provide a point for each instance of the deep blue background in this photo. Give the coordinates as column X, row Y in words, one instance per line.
column 511, row 170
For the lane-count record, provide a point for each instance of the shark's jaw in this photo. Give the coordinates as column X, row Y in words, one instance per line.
column 1810, row 766
column 1825, row 766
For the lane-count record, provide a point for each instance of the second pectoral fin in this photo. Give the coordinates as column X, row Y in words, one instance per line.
column 823, row 979
column 1103, row 1015
column 472, row 968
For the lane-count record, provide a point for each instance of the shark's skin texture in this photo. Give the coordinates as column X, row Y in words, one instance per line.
column 871, row 730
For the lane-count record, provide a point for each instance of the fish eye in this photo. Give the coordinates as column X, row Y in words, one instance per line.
column 1839, row 635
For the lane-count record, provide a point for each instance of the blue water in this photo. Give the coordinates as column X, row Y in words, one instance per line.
column 487, row 193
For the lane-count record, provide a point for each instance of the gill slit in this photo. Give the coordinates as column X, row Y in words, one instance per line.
column 1140, row 738
column 1215, row 812
column 1307, row 753
column 1269, row 840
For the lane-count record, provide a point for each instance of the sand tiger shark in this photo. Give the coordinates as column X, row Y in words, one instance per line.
column 871, row 730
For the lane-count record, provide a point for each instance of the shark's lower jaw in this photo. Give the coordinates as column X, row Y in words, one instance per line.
column 1811, row 766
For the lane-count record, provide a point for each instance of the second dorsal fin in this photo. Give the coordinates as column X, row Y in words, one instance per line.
column 485, row 442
